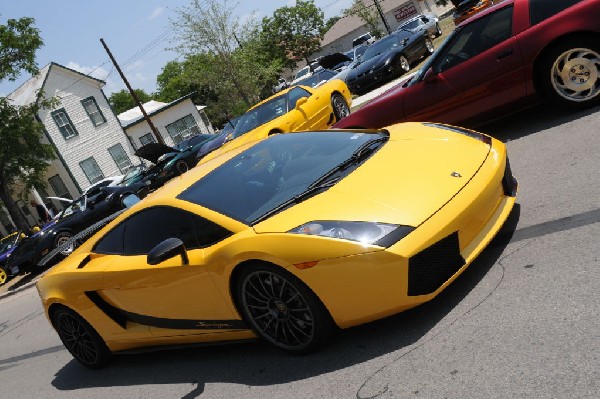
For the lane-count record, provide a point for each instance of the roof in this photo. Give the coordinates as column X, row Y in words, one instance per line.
column 134, row 115
column 28, row 92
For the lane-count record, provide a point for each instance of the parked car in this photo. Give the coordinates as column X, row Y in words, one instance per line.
column 468, row 8
column 83, row 212
column 222, row 137
column 288, row 240
column 294, row 109
column 421, row 23
column 388, row 58
column 318, row 78
column 7, row 246
column 356, row 54
column 365, row 38
column 305, row 72
column 110, row 181
column 515, row 54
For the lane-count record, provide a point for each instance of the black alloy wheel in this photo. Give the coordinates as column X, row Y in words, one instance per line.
column 572, row 73
column 80, row 339
column 181, row 167
column 340, row 106
column 282, row 310
column 438, row 30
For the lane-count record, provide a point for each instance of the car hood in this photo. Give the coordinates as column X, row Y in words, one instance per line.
column 409, row 179
column 330, row 60
column 153, row 151
column 370, row 63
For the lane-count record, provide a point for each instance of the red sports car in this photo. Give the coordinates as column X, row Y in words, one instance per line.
column 506, row 56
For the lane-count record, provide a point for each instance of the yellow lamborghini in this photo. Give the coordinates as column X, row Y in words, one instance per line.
column 285, row 239
column 294, row 109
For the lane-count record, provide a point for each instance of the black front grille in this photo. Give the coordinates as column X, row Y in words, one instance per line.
column 433, row 266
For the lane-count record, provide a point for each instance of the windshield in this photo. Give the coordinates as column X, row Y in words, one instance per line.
column 260, row 115
column 76, row 206
column 383, row 45
column 410, row 25
column 277, row 169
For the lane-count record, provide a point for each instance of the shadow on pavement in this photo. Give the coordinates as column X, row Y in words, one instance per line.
column 257, row 364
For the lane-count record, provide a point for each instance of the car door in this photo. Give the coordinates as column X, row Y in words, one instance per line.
column 172, row 298
column 312, row 114
column 479, row 69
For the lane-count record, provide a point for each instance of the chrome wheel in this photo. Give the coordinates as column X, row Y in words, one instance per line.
column 63, row 239
column 278, row 310
column 575, row 75
column 404, row 65
column 340, row 107
column 429, row 46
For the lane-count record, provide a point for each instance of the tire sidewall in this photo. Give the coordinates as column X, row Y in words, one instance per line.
column 61, row 235
column 336, row 113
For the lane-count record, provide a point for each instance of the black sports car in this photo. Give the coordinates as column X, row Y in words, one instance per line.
column 388, row 58
column 77, row 217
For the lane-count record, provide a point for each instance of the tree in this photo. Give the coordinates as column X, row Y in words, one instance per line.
column 329, row 23
column 368, row 14
column 121, row 101
column 296, row 30
column 23, row 156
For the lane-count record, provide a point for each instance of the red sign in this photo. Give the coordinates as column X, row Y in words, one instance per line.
column 405, row 11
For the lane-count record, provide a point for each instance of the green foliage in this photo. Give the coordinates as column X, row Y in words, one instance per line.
column 122, row 101
column 19, row 40
column 297, row 31
column 369, row 15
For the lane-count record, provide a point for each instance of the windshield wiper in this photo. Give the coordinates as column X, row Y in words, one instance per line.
column 326, row 180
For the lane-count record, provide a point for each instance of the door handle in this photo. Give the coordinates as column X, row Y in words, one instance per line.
column 505, row 54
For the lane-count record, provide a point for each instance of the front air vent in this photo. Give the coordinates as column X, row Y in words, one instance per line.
column 433, row 266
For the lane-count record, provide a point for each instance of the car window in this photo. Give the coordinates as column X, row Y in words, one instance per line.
column 475, row 38
column 295, row 94
column 540, row 10
column 138, row 234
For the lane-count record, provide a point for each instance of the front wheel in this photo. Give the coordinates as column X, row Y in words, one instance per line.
column 80, row 338
column 4, row 277
column 429, row 46
column 340, row 106
column 282, row 310
column 404, row 64
column 63, row 240
column 572, row 74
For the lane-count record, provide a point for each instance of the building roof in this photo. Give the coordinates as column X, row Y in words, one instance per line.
column 134, row 116
column 28, row 92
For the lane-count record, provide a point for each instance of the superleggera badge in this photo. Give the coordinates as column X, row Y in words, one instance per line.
column 455, row 174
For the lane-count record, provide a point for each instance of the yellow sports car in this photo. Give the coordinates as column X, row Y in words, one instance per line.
column 291, row 110
column 285, row 239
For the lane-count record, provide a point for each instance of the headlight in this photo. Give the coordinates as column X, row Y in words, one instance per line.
column 382, row 234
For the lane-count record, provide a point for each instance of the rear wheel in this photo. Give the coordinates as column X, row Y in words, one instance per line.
column 340, row 106
column 62, row 241
column 438, row 30
column 572, row 73
column 404, row 65
column 282, row 310
column 80, row 338
column 181, row 166
column 429, row 46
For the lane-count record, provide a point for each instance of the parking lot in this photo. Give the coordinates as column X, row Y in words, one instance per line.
column 522, row 322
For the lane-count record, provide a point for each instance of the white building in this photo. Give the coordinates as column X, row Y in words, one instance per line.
column 87, row 137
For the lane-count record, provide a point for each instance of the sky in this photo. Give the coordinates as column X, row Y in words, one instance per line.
column 137, row 32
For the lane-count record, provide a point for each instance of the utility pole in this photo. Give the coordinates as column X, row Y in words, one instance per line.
column 135, row 97
column 380, row 11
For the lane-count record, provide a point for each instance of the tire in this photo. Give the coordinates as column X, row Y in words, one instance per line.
column 61, row 239
column 4, row 277
column 282, row 310
column 80, row 338
column 404, row 64
column 181, row 166
column 429, row 46
column 340, row 106
column 571, row 73
column 438, row 31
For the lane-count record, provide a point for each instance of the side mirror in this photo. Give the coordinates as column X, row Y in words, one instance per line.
column 169, row 248
column 300, row 102
column 430, row 76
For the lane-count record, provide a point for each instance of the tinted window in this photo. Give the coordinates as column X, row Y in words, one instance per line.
column 260, row 115
column 139, row 234
column 273, row 171
column 475, row 38
column 544, row 9
column 295, row 94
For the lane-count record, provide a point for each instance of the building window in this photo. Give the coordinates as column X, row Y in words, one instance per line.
column 204, row 119
column 147, row 139
column 91, row 107
column 59, row 188
column 120, row 157
column 92, row 170
column 183, row 128
column 66, row 127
